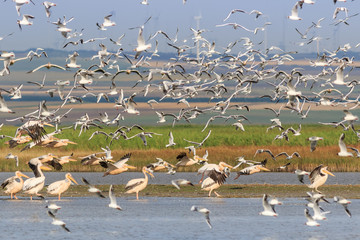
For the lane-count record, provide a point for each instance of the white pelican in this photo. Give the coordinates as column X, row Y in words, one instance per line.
column 33, row 185
column 12, row 185
column 58, row 187
column 184, row 160
column 112, row 197
column 215, row 180
column 269, row 210
column 138, row 184
column 57, row 221
column 310, row 219
column 117, row 167
column 251, row 170
column 344, row 202
column 204, row 211
column 207, row 168
column 93, row 189
column 318, row 177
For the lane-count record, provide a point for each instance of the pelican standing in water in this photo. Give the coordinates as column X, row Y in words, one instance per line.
column 12, row 185
column 138, row 184
column 58, row 187
column 318, row 177
column 33, row 185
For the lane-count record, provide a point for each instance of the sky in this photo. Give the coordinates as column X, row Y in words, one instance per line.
column 168, row 15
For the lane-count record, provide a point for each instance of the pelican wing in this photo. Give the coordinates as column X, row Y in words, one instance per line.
column 33, row 182
column 133, row 183
column 315, row 173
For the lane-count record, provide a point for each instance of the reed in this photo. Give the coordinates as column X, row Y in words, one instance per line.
column 224, row 144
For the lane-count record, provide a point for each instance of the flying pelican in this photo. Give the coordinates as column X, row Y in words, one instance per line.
column 93, row 189
column 207, row 168
column 204, row 211
column 318, row 177
column 61, row 186
column 251, row 170
column 12, row 185
column 112, row 197
column 33, row 185
column 269, row 210
column 184, row 160
column 117, row 167
column 138, row 184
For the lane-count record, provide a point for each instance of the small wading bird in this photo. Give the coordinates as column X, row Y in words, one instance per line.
column 318, row 177
column 204, row 211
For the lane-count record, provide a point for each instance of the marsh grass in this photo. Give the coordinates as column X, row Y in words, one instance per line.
column 224, row 144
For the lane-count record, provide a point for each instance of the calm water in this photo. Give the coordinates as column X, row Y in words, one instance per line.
column 171, row 218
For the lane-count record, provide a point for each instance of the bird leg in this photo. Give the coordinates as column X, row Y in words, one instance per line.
column 210, row 193
column 137, row 195
column 217, row 195
column 202, row 177
column 59, row 196
column 15, row 196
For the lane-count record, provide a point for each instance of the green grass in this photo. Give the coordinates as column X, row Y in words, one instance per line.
column 224, row 144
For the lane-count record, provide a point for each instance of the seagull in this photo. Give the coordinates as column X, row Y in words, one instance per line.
column 313, row 141
column 310, row 219
column 41, row 85
column 232, row 12
column 288, row 157
column 344, row 202
column 112, row 197
column 47, row 6
column 343, row 150
column 171, row 140
column 141, row 44
column 269, row 210
column 204, row 211
column 294, row 12
column 200, row 144
column 178, row 182
column 93, row 189
column 107, row 23
column 25, row 20
column 300, row 174
column 3, row 106
column 12, row 156
column 53, row 207
column 266, row 151
column 57, row 221
column 48, row 66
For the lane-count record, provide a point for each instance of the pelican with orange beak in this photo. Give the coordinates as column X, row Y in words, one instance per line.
column 138, row 184
column 14, row 184
column 33, row 185
column 58, row 187
column 318, row 177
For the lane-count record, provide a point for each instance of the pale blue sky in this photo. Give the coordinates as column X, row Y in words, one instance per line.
column 167, row 15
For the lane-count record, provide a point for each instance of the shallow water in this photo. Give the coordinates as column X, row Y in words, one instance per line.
column 97, row 178
column 171, row 218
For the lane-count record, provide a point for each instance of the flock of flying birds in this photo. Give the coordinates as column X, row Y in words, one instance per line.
column 220, row 75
